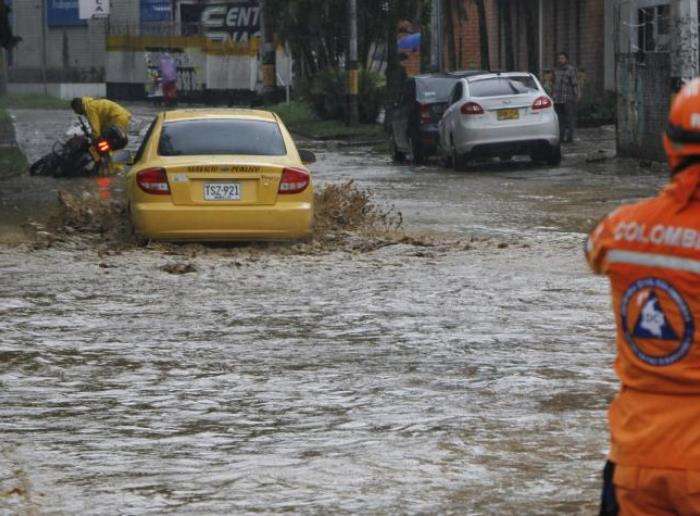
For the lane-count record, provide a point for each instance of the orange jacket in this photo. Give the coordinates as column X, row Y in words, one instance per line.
column 651, row 253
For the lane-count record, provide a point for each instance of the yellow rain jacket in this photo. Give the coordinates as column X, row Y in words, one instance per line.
column 103, row 113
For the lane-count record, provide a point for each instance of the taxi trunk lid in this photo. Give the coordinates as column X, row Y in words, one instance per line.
column 224, row 182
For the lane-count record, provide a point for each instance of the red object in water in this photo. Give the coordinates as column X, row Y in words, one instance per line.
column 103, row 187
column 169, row 92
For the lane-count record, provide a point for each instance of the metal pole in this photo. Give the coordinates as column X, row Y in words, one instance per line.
column 684, row 42
column 352, row 66
column 434, row 37
column 288, row 52
column 541, row 38
column 439, row 31
column 43, row 46
column 268, row 53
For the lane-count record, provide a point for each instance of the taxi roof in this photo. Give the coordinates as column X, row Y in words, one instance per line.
column 194, row 114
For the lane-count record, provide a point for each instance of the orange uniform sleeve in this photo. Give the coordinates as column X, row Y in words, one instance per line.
column 597, row 245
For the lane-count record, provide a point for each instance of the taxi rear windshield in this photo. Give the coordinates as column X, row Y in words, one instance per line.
column 500, row 86
column 221, row 136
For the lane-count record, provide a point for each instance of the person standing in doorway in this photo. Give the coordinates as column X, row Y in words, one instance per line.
column 566, row 95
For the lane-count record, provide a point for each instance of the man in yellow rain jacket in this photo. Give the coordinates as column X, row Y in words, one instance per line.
column 102, row 114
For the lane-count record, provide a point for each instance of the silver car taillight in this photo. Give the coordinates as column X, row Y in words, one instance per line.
column 472, row 108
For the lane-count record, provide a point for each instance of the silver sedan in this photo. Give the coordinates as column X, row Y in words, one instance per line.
column 501, row 114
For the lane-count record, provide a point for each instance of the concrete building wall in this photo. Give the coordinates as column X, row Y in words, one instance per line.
column 73, row 53
column 643, row 104
column 642, row 83
column 125, row 13
column 86, row 53
column 64, row 91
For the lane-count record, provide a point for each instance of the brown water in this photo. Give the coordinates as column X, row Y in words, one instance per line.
column 405, row 380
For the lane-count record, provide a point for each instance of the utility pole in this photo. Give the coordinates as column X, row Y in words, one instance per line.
column 436, row 36
column 540, row 30
column 352, row 66
column 269, row 55
column 684, row 42
column 42, row 5
column 434, row 27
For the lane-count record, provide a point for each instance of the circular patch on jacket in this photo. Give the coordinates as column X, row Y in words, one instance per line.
column 657, row 322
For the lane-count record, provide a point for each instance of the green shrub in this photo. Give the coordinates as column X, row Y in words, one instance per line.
column 372, row 95
column 326, row 92
column 595, row 110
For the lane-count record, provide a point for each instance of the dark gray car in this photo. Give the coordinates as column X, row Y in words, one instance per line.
column 417, row 112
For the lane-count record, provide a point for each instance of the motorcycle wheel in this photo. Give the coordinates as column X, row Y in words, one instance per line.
column 43, row 166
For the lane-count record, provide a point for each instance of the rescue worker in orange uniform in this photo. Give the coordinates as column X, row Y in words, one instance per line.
column 651, row 253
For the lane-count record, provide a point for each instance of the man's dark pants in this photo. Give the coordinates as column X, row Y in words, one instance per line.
column 567, row 120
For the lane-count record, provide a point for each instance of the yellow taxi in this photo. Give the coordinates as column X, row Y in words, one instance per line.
column 220, row 174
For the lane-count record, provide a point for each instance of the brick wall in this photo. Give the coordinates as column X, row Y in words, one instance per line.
column 574, row 26
column 411, row 63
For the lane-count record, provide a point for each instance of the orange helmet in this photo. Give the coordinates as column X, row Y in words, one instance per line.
column 682, row 138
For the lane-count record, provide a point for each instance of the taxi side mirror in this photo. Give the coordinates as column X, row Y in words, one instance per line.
column 307, row 157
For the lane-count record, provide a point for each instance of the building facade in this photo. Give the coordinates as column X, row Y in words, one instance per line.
column 527, row 35
column 216, row 45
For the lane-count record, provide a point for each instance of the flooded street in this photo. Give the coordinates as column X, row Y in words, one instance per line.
column 409, row 379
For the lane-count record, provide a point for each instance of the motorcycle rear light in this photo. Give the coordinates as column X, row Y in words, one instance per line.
column 542, row 103
column 294, row 180
column 103, row 146
column 472, row 108
column 153, row 181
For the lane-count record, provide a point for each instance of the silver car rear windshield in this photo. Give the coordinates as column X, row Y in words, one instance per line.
column 501, row 86
column 221, row 136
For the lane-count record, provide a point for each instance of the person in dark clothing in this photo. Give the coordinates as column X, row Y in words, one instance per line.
column 565, row 95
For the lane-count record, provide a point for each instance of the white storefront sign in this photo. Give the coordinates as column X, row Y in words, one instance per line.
column 93, row 9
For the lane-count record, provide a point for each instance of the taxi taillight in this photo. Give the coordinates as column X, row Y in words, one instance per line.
column 153, row 181
column 294, row 180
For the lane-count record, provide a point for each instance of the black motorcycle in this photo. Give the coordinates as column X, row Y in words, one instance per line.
column 81, row 155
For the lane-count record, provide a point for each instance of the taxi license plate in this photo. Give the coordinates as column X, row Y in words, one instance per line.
column 508, row 114
column 222, row 191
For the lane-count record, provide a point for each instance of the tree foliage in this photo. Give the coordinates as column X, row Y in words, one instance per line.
column 7, row 38
column 317, row 30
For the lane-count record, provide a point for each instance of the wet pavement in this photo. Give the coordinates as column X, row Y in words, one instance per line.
column 466, row 381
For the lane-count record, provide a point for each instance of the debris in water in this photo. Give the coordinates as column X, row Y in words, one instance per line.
column 15, row 491
column 344, row 206
column 346, row 218
column 178, row 268
column 416, row 241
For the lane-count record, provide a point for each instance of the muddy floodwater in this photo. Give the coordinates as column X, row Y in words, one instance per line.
column 462, row 380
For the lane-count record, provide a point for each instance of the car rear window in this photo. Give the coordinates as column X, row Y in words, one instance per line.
column 500, row 86
column 437, row 89
column 221, row 136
